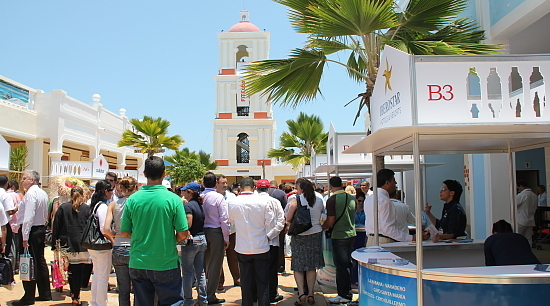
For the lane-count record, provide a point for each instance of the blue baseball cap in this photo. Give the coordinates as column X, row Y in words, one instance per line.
column 193, row 186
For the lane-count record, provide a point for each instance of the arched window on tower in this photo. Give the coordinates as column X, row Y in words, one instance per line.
column 243, row 149
column 241, row 58
column 243, row 102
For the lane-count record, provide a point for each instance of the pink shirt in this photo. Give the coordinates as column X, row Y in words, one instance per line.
column 16, row 201
column 215, row 211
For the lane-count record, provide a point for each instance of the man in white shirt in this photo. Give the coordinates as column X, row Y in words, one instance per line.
column 403, row 212
column 365, row 187
column 253, row 220
column 32, row 214
column 8, row 207
column 278, row 223
column 112, row 178
column 526, row 201
column 387, row 221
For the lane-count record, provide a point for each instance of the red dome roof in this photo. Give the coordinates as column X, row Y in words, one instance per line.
column 244, row 26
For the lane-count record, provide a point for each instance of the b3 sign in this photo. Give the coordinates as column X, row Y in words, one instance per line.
column 438, row 92
column 442, row 93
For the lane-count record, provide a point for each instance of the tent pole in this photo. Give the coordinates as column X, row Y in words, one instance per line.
column 418, row 221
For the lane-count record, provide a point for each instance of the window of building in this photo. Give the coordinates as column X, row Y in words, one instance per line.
column 243, row 110
column 243, row 149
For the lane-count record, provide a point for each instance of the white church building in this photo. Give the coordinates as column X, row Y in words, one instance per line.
column 244, row 127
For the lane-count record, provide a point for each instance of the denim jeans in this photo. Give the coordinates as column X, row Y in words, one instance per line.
column 166, row 284
column 121, row 259
column 192, row 265
column 341, row 254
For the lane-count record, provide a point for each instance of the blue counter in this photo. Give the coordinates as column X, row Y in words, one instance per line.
column 397, row 285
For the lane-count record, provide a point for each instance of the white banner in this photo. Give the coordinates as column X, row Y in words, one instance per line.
column 391, row 99
column 77, row 169
column 100, row 167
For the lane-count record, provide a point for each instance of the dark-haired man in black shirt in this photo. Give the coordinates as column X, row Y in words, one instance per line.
column 453, row 216
column 507, row 248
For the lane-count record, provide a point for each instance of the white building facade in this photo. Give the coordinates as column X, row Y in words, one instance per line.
column 57, row 128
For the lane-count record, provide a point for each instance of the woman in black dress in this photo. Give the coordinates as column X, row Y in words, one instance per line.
column 69, row 223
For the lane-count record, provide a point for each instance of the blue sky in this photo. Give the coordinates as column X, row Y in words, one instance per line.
column 152, row 58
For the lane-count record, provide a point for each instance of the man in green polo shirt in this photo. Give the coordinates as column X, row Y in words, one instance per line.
column 155, row 220
column 341, row 217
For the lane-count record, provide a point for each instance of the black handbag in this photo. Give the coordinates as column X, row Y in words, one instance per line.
column 328, row 231
column 301, row 221
column 6, row 271
column 92, row 238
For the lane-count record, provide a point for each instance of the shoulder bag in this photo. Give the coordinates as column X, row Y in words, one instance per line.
column 301, row 221
column 92, row 238
column 328, row 231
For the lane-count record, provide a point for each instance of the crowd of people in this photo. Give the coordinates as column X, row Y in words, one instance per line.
column 245, row 223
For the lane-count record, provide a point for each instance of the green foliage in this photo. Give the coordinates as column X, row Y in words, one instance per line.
column 18, row 161
column 188, row 166
column 305, row 135
column 189, row 170
column 150, row 136
column 360, row 28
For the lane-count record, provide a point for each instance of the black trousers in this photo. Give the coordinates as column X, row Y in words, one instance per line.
column 281, row 254
column 36, row 249
column 273, row 267
column 254, row 271
column 76, row 276
column 9, row 241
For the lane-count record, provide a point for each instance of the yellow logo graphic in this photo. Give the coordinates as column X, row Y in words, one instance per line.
column 387, row 75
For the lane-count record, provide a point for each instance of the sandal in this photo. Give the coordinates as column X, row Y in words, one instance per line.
column 300, row 301
column 76, row 301
column 311, row 300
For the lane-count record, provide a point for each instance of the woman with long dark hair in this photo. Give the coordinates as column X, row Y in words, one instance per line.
column 307, row 252
column 192, row 253
column 69, row 223
column 101, row 258
column 121, row 245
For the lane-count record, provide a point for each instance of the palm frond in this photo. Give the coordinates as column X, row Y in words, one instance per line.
column 429, row 15
column 288, row 82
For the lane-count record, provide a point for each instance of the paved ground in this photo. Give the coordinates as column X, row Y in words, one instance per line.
column 230, row 293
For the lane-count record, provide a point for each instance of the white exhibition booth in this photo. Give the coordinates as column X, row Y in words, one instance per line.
column 92, row 170
column 454, row 105
column 4, row 154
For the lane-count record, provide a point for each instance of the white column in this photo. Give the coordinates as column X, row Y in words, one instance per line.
column 224, row 141
column 120, row 161
column 36, row 156
column 225, row 50
column 261, row 144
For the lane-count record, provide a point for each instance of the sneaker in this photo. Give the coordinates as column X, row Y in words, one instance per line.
column 338, row 300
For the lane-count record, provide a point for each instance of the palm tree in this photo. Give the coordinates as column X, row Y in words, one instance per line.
column 188, row 166
column 358, row 30
column 18, row 161
column 305, row 135
column 205, row 159
column 149, row 136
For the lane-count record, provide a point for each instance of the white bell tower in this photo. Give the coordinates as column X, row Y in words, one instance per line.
column 244, row 128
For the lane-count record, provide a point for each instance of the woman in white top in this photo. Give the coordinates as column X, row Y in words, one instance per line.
column 307, row 252
column 101, row 259
column 121, row 245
